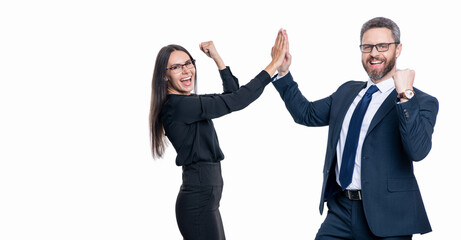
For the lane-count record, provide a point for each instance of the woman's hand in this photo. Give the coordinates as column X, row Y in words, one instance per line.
column 210, row 50
column 278, row 53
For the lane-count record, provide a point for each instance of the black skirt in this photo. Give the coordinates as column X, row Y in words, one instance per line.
column 197, row 205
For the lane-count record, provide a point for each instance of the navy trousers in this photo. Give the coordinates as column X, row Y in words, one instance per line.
column 346, row 220
column 197, row 205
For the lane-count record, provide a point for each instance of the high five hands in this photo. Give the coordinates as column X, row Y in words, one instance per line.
column 281, row 58
column 278, row 53
column 285, row 66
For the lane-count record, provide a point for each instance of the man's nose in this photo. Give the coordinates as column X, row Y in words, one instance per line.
column 374, row 51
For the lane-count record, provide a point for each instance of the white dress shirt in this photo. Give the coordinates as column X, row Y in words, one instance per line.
column 385, row 88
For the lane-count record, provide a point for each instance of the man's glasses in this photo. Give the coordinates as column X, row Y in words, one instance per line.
column 177, row 68
column 381, row 47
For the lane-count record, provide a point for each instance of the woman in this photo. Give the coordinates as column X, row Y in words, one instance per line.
column 185, row 119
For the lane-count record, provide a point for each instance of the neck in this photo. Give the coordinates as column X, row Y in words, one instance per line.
column 175, row 92
column 385, row 77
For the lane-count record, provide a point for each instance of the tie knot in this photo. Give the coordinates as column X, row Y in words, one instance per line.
column 372, row 89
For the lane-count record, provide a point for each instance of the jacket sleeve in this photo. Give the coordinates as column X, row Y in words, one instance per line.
column 195, row 108
column 229, row 81
column 303, row 111
column 416, row 123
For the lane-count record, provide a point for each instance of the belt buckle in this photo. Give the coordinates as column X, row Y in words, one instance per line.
column 354, row 195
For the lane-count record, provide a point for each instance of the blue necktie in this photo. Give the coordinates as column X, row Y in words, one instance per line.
column 352, row 139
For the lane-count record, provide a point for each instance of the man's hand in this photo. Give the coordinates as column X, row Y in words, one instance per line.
column 403, row 80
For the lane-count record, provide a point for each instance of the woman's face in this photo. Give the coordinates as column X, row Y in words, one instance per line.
column 180, row 73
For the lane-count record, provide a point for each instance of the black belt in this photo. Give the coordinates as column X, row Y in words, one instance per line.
column 355, row 195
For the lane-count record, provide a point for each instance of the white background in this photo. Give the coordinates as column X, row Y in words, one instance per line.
column 75, row 81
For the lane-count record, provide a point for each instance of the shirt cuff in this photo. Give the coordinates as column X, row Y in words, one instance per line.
column 277, row 77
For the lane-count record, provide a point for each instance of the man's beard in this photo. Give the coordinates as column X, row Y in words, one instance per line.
column 374, row 75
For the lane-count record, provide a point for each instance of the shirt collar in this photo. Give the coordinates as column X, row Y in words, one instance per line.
column 383, row 86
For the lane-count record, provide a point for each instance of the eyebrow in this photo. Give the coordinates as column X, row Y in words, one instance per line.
column 376, row 43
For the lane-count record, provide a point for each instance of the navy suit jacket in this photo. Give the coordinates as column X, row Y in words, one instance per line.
column 399, row 134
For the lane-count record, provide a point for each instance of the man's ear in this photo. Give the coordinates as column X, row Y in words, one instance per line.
column 398, row 50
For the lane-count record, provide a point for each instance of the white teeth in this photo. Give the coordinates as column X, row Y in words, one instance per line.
column 185, row 79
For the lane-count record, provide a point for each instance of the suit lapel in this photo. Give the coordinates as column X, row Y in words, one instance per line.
column 383, row 110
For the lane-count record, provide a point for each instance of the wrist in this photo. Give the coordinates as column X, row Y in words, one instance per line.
column 271, row 68
column 283, row 73
column 220, row 63
column 406, row 95
column 400, row 89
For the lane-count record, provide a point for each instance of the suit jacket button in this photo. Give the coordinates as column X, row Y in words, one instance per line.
column 407, row 115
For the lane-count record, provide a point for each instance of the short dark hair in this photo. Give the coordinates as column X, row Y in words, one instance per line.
column 381, row 22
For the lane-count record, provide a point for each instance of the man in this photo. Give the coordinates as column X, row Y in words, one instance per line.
column 377, row 129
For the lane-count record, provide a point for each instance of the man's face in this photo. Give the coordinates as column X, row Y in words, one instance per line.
column 380, row 65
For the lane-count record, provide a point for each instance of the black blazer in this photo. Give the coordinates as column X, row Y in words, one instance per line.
column 399, row 134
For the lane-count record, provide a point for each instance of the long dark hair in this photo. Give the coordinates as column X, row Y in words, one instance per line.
column 158, row 97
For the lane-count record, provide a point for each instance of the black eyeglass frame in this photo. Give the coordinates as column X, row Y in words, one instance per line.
column 376, row 46
column 180, row 66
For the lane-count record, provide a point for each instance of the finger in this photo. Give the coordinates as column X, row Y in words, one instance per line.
column 202, row 46
column 279, row 52
column 288, row 42
column 279, row 40
column 283, row 40
column 281, row 35
column 206, row 44
column 282, row 44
